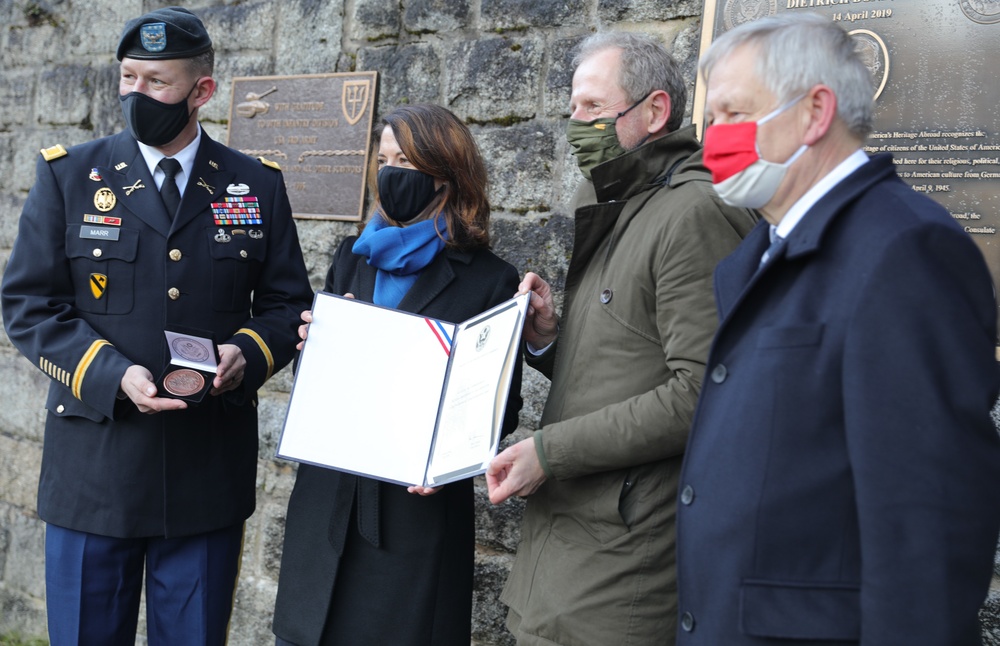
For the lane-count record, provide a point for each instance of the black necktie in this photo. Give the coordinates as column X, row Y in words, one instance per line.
column 168, row 190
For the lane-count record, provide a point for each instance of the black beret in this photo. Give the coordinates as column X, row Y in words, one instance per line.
column 171, row 32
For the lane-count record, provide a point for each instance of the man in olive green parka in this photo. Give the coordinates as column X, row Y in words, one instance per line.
column 595, row 565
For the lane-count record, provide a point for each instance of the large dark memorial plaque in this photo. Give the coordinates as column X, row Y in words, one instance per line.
column 317, row 127
column 933, row 65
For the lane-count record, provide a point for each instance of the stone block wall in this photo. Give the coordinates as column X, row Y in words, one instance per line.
column 503, row 66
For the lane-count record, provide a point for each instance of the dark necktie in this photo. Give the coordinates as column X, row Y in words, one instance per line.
column 168, row 190
column 776, row 242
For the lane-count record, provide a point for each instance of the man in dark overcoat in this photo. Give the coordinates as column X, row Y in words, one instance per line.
column 155, row 229
column 842, row 480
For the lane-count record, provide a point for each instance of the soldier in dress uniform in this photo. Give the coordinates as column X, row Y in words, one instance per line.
column 115, row 247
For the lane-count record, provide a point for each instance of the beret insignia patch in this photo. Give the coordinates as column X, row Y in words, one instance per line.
column 153, row 37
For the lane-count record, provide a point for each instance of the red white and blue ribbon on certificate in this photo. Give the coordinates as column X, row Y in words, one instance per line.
column 441, row 333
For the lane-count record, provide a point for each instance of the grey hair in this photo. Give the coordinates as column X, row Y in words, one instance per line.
column 646, row 65
column 798, row 51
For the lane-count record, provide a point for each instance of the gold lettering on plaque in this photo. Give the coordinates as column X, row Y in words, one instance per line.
column 354, row 99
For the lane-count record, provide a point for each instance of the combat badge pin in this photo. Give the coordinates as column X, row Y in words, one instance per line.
column 98, row 285
column 104, row 200
column 237, row 189
column 222, row 236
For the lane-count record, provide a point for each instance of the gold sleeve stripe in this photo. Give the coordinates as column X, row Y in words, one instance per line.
column 54, row 371
column 263, row 348
column 81, row 368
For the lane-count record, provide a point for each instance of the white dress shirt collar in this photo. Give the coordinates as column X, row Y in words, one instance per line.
column 857, row 159
column 185, row 157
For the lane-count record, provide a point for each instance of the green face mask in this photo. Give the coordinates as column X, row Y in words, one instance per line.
column 595, row 142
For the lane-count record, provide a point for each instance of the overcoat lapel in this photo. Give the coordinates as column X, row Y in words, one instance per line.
column 806, row 237
column 736, row 273
column 366, row 282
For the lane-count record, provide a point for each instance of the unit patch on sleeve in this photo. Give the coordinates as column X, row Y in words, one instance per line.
column 234, row 211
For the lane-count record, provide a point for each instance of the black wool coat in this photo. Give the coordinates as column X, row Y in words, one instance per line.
column 365, row 562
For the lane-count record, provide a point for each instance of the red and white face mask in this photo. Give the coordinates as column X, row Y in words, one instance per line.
column 739, row 175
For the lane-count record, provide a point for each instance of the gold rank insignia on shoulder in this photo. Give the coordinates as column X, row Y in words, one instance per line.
column 55, row 152
column 269, row 163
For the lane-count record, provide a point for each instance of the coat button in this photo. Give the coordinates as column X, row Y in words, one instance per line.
column 174, row 293
column 97, row 253
column 687, row 622
column 719, row 373
column 60, row 409
column 176, row 255
column 243, row 253
column 606, row 296
column 687, row 495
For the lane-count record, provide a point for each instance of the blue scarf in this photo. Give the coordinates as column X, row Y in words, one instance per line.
column 399, row 254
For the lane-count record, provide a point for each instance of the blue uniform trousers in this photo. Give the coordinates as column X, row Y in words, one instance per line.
column 93, row 584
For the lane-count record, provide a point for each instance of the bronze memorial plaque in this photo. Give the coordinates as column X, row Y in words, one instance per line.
column 317, row 127
column 933, row 65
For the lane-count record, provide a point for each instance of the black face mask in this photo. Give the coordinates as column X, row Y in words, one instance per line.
column 404, row 192
column 153, row 122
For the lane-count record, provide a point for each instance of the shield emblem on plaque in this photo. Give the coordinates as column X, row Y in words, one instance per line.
column 354, row 99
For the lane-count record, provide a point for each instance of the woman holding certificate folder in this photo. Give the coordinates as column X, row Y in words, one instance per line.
column 368, row 562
